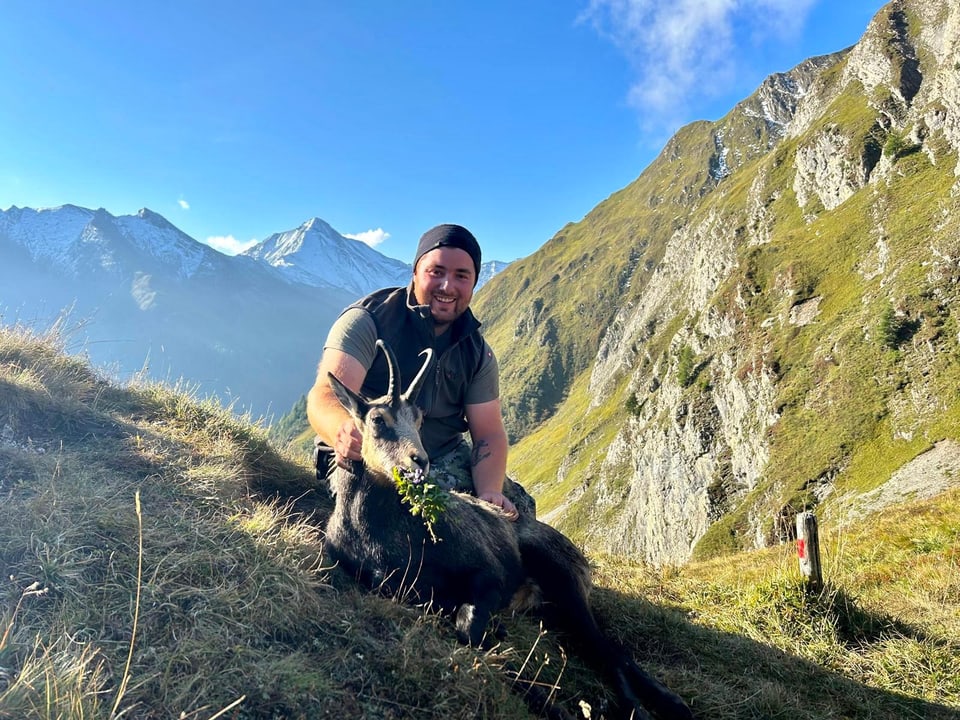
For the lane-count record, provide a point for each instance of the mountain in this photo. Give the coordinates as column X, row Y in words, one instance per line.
column 316, row 254
column 76, row 240
column 142, row 296
column 488, row 270
column 762, row 322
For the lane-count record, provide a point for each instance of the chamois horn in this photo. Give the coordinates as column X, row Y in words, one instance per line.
column 415, row 384
column 393, row 389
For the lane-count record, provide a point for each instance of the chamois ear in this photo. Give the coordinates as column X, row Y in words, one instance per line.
column 351, row 401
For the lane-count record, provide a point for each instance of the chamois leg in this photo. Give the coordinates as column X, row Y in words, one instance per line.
column 473, row 619
column 638, row 693
column 471, row 624
column 557, row 567
column 538, row 699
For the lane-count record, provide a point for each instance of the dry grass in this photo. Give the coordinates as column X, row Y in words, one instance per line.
column 229, row 611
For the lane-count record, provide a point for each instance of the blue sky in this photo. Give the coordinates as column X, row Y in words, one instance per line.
column 239, row 119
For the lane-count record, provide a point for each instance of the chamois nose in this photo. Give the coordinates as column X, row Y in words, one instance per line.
column 421, row 462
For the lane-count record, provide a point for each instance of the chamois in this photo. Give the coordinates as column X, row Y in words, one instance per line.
column 480, row 558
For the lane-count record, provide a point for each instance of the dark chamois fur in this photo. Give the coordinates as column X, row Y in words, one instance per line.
column 481, row 559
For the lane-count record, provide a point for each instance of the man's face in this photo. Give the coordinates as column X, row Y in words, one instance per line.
column 444, row 279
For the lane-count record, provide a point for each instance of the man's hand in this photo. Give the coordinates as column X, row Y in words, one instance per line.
column 327, row 416
column 501, row 501
column 347, row 443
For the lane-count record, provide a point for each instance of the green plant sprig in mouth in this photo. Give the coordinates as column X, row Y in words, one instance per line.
column 426, row 499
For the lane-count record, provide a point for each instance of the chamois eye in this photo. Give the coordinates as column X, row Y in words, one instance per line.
column 380, row 426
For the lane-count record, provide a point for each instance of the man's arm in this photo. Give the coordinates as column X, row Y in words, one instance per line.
column 489, row 460
column 327, row 416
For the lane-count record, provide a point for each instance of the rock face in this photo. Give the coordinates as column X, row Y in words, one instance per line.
column 830, row 169
column 688, row 459
column 774, row 296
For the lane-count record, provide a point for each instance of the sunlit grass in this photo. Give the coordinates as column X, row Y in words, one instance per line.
column 238, row 616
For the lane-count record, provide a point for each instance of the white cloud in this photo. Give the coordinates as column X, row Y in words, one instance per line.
column 183, row 204
column 229, row 245
column 370, row 237
column 684, row 50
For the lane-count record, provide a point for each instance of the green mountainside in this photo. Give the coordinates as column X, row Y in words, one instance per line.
column 161, row 559
column 763, row 322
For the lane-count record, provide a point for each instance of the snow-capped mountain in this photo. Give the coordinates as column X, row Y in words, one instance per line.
column 316, row 254
column 46, row 234
column 488, row 270
column 138, row 293
column 77, row 240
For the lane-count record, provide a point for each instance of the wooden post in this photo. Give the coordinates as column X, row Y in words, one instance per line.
column 808, row 549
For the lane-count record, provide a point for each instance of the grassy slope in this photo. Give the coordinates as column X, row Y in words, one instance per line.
column 230, row 599
column 838, row 381
column 545, row 315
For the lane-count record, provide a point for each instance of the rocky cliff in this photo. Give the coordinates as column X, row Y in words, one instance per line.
column 763, row 321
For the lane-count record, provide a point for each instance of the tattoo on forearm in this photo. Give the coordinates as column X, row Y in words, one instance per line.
column 481, row 452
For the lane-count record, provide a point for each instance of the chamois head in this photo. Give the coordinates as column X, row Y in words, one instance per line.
column 390, row 425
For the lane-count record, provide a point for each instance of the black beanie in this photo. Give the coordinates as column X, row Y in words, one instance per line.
column 449, row 235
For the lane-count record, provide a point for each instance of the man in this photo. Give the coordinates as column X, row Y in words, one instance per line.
column 461, row 394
